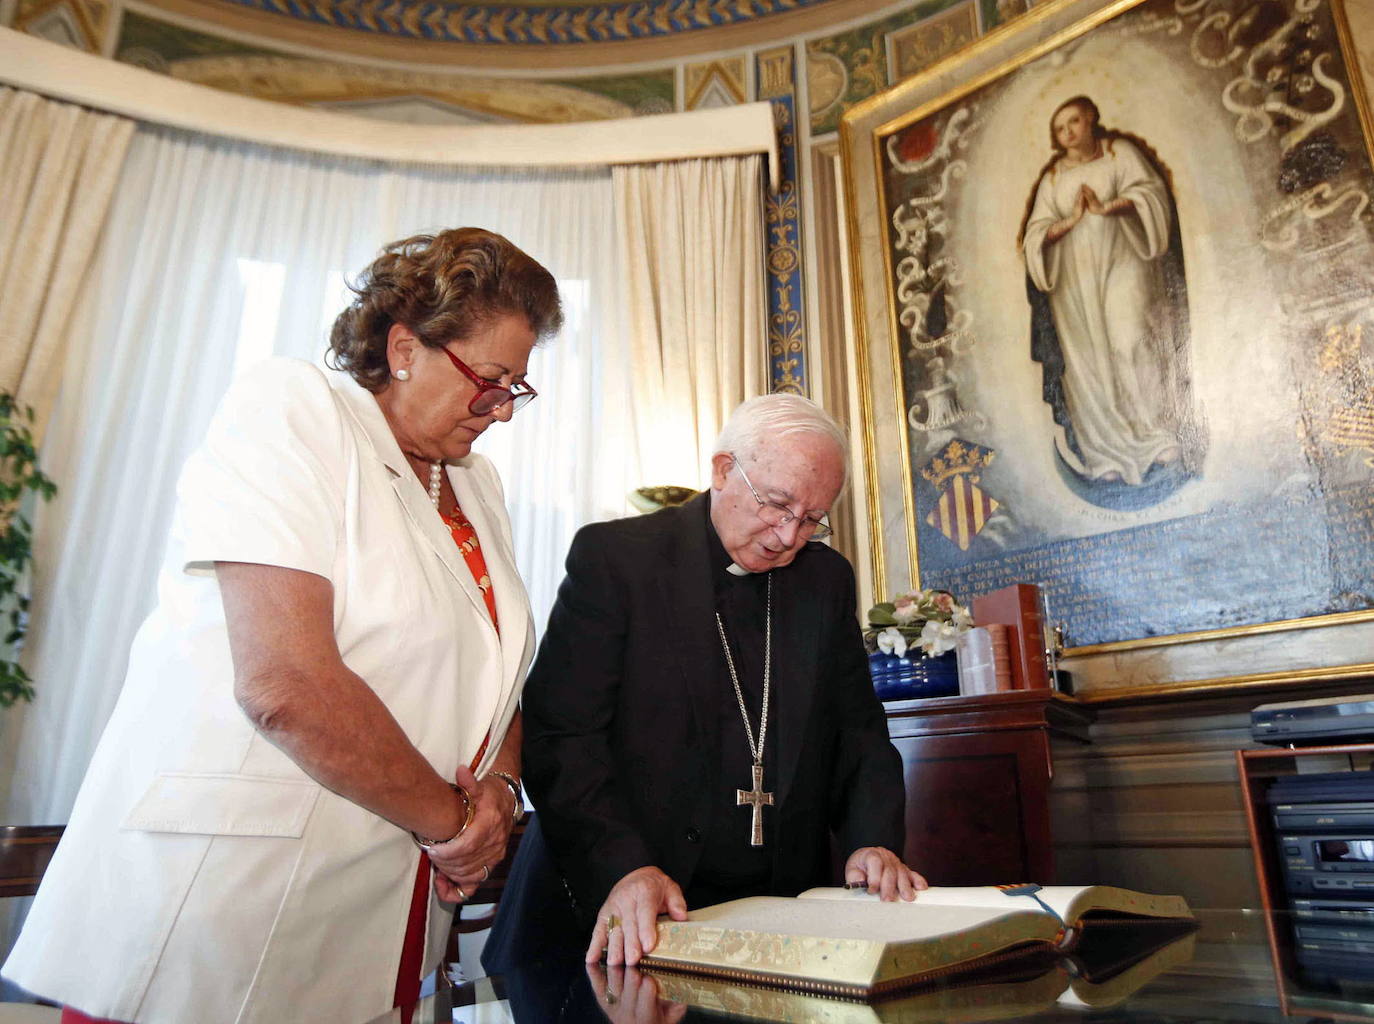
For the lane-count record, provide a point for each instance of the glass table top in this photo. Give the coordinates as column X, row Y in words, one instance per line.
column 1224, row 972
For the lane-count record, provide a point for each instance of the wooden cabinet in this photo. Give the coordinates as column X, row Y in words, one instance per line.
column 978, row 774
column 1257, row 768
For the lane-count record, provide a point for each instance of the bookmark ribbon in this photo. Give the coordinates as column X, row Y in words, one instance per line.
column 1030, row 889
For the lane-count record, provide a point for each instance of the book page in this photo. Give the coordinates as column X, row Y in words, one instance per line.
column 860, row 945
column 1068, row 901
column 870, row 919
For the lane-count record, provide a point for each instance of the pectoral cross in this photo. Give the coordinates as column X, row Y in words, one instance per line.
column 755, row 798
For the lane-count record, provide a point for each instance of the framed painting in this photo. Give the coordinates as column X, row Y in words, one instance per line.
column 1113, row 281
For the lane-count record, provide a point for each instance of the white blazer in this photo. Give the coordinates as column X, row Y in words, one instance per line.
column 203, row 876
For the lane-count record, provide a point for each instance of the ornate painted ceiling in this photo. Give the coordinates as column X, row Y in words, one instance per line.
column 532, row 35
column 528, row 22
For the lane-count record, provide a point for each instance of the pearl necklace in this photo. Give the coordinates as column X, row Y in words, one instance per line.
column 436, row 480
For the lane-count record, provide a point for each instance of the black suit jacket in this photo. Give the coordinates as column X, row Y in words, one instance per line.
column 622, row 711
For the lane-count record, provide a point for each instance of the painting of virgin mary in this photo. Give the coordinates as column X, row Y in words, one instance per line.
column 1109, row 312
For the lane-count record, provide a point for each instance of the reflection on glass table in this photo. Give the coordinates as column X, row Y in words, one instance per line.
column 1224, row 972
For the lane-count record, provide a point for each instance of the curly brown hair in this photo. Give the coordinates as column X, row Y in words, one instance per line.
column 442, row 288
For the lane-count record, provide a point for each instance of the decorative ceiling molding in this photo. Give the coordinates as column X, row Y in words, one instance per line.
column 306, row 34
column 452, row 21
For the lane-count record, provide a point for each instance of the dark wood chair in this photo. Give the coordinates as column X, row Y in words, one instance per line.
column 24, row 854
column 489, row 893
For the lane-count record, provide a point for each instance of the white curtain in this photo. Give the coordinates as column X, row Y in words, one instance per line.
column 218, row 254
column 691, row 235
column 58, row 164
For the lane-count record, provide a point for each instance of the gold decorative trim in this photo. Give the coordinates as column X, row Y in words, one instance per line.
column 92, row 28
column 1255, row 681
column 857, row 319
column 1346, row 38
column 895, row 333
column 1230, row 632
column 729, row 72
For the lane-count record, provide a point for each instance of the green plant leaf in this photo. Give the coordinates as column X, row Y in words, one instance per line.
column 19, row 474
column 882, row 615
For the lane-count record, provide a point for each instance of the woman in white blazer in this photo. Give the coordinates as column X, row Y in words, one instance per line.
column 330, row 678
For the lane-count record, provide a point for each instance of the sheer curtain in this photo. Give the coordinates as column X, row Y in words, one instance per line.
column 218, row 254
column 691, row 234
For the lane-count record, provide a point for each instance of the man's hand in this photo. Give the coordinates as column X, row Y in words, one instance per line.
column 883, row 873
column 627, row 926
column 628, row 997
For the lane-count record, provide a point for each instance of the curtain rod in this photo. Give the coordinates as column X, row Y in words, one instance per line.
column 59, row 72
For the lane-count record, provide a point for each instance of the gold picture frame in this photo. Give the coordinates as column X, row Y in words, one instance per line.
column 1254, row 113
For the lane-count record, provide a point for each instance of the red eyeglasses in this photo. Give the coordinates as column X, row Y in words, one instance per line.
column 491, row 396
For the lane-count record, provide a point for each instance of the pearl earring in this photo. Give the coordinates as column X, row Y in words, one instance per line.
column 402, row 374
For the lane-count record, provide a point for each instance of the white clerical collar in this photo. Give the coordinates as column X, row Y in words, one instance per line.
column 736, row 570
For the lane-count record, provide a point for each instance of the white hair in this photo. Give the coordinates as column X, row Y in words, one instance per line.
column 767, row 420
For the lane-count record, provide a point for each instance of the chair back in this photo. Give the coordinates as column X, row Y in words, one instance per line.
column 24, row 854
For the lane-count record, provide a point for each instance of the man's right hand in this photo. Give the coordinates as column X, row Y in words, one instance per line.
column 627, row 926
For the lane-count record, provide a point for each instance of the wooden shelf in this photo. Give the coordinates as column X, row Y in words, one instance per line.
column 1255, row 768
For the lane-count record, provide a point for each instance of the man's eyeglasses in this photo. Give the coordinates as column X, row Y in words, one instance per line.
column 491, row 396
column 780, row 515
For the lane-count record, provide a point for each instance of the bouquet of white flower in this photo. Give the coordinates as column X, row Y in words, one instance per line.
column 930, row 620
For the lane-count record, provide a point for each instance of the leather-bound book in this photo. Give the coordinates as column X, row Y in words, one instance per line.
column 1018, row 608
column 1001, row 654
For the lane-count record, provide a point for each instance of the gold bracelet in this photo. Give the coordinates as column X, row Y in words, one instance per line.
column 510, row 780
column 468, row 810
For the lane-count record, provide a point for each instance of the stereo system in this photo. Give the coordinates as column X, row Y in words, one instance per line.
column 1330, row 864
column 1298, row 723
column 1324, row 828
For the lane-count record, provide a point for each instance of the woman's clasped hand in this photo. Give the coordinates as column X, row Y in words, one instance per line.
column 464, row 862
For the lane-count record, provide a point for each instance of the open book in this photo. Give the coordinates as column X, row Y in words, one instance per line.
column 848, row 943
column 1100, row 975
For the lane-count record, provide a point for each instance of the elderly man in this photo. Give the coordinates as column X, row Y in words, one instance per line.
column 700, row 721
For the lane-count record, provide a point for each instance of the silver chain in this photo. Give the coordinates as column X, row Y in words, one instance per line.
column 755, row 751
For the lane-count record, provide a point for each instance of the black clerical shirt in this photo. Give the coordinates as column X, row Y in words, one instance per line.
column 730, row 868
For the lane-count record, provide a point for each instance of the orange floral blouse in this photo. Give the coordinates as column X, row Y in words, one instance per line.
column 465, row 536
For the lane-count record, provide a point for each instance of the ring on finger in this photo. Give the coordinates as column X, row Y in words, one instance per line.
column 486, row 872
column 612, row 922
column 462, row 895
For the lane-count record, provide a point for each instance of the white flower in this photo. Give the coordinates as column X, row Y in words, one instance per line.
column 938, row 637
column 891, row 641
column 962, row 619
